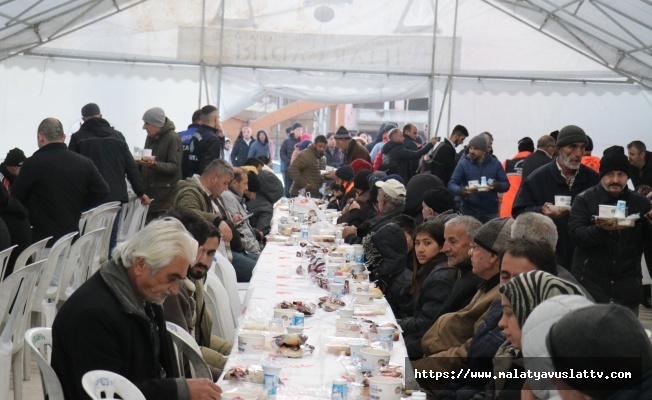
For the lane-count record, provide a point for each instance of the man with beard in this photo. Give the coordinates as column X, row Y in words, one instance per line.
column 114, row 321
column 187, row 308
column 607, row 259
column 565, row 176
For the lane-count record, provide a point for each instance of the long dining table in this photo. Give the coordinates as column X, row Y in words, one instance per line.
column 276, row 279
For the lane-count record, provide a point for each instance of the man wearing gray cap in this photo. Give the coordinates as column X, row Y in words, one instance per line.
column 565, row 176
column 161, row 172
column 352, row 149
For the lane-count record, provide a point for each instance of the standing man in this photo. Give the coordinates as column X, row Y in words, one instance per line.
column 334, row 155
column 160, row 174
column 398, row 158
column 305, row 170
column 410, row 135
column 565, row 176
column 351, row 148
column 641, row 164
column 287, row 148
column 185, row 143
column 115, row 322
column 473, row 166
column 56, row 184
column 205, row 146
column 541, row 156
column 607, row 259
column 514, row 171
column 442, row 160
column 240, row 151
column 97, row 140
column 10, row 167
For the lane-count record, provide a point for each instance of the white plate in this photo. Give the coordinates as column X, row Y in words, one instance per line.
column 629, row 221
column 560, row 208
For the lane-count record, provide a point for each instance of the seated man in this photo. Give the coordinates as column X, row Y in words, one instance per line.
column 114, row 321
column 234, row 199
column 187, row 309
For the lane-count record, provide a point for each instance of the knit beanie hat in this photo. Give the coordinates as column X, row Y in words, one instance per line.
column 529, row 289
column 155, row 117
column 304, row 144
column 360, row 164
column 345, row 173
column 295, row 126
column 306, row 136
column 493, row 235
column 90, row 109
column 254, row 183
column 440, row 200
column 479, row 142
column 613, row 150
column 614, row 162
column 14, row 158
column 604, row 338
column 571, row 134
column 361, row 181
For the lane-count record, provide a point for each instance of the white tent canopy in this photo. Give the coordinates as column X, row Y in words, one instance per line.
column 523, row 67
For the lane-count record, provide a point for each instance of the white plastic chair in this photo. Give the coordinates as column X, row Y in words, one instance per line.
column 187, row 346
column 83, row 219
column 75, row 270
column 40, row 305
column 217, row 301
column 103, row 217
column 40, row 341
column 15, row 302
column 102, row 385
column 126, row 216
column 35, row 250
column 4, row 259
column 225, row 271
column 647, row 280
column 138, row 219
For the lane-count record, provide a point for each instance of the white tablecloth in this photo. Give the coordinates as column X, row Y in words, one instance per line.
column 275, row 279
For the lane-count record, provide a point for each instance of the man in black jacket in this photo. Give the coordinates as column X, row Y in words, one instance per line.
column 397, row 157
column 108, row 150
column 204, row 145
column 641, row 164
column 115, row 322
column 541, row 156
column 442, row 160
column 607, row 259
column 56, row 184
column 565, row 176
column 10, row 167
column 410, row 134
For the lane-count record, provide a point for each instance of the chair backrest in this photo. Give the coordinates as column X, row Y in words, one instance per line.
column 40, row 341
column 83, row 220
column 4, row 259
column 55, row 261
column 226, row 272
column 138, row 220
column 217, row 302
column 188, row 347
column 15, row 304
column 103, row 217
column 647, row 280
column 35, row 250
column 103, row 385
column 79, row 263
column 126, row 216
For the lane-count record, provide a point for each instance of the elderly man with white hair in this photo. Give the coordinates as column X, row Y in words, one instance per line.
column 114, row 321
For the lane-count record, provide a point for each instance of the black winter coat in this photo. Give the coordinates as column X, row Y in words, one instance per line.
column 537, row 159
column 14, row 215
column 103, row 326
column 56, row 185
column 372, row 225
column 541, row 187
column 642, row 176
column 608, row 263
column 396, row 156
column 287, row 148
column 240, row 151
column 97, row 140
column 443, row 161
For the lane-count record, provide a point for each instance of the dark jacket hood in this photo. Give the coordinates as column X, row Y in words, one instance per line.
column 415, row 189
column 386, row 251
column 99, row 126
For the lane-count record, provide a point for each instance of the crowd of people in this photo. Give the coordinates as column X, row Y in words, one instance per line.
column 467, row 250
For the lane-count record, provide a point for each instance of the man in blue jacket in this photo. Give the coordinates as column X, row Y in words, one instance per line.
column 482, row 202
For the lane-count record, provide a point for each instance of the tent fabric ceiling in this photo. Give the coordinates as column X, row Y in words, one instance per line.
column 617, row 35
column 25, row 24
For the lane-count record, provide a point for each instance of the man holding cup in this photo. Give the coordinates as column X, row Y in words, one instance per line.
column 565, row 176
column 607, row 260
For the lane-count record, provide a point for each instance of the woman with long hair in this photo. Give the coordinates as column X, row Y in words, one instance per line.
column 261, row 146
column 432, row 281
